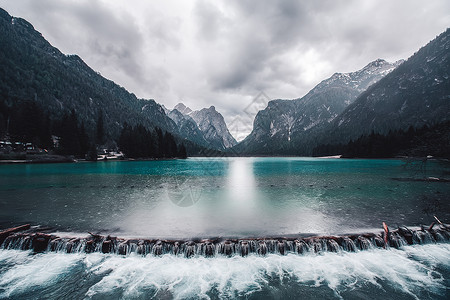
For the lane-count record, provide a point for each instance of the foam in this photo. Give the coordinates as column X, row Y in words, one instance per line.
column 27, row 271
column 409, row 271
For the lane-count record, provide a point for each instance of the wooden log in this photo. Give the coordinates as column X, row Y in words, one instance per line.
column 90, row 246
column 407, row 234
column 281, row 248
column 158, row 248
column 209, row 249
column 5, row 233
column 106, row 246
column 40, row 242
column 244, row 248
column 123, row 248
column 440, row 223
column 386, row 234
column 16, row 229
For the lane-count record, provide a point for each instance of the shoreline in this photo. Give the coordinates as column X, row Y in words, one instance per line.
column 68, row 159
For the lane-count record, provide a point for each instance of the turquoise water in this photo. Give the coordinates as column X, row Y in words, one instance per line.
column 204, row 197
column 226, row 197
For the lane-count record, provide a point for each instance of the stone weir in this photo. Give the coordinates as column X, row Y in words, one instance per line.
column 27, row 238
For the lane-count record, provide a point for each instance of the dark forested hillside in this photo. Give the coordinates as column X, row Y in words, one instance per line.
column 138, row 142
column 33, row 70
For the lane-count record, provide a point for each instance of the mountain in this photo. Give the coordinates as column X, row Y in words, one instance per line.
column 34, row 70
column 207, row 126
column 183, row 109
column 284, row 125
column 187, row 127
column 417, row 93
column 214, row 128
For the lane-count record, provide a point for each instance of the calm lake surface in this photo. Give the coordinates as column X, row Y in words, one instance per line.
column 226, row 197
column 204, row 197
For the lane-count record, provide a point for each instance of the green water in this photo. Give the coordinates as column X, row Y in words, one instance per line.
column 202, row 197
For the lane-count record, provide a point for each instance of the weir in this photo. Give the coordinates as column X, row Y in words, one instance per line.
column 26, row 238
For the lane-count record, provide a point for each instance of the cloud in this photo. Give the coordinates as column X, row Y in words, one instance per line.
column 224, row 53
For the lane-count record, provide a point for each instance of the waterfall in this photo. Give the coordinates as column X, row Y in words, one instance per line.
column 41, row 242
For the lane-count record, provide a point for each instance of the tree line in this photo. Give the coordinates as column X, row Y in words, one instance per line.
column 139, row 142
column 427, row 140
column 27, row 122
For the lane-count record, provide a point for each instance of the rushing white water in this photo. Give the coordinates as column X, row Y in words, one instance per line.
column 419, row 271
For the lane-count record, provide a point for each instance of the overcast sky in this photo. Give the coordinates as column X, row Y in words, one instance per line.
column 224, row 53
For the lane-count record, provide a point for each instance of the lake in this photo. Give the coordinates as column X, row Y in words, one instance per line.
column 226, row 197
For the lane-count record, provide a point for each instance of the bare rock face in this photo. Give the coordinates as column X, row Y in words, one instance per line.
column 207, row 126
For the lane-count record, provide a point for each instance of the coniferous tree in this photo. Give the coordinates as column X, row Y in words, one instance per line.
column 69, row 142
column 84, row 141
column 182, row 153
column 100, row 132
column 139, row 142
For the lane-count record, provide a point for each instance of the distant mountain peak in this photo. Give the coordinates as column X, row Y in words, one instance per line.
column 182, row 108
column 376, row 63
column 208, row 121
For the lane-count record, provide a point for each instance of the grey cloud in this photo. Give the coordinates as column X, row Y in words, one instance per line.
column 224, row 53
column 258, row 34
column 210, row 20
column 163, row 31
column 100, row 35
column 109, row 40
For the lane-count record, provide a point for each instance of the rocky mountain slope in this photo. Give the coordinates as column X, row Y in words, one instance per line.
column 206, row 126
column 417, row 93
column 283, row 124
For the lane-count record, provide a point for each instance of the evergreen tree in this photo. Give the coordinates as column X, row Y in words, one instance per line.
column 100, row 132
column 70, row 141
column 182, row 153
column 139, row 142
column 84, row 141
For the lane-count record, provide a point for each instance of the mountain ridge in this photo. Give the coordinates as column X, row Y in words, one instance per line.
column 282, row 120
column 209, row 122
column 32, row 69
column 417, row 93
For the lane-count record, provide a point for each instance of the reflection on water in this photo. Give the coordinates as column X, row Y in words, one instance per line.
column 220, row 196
column 241, row 187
